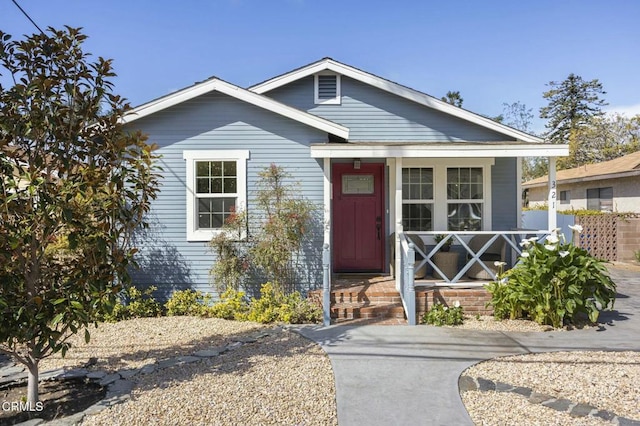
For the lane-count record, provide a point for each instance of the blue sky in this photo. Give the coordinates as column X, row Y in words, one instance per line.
column 491, row 51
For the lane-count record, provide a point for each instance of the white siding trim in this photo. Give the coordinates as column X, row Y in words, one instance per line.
column 240, row 156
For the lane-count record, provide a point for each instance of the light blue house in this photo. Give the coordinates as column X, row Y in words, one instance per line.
column 381, row 159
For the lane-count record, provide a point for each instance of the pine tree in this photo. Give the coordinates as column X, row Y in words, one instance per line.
column 572, row 103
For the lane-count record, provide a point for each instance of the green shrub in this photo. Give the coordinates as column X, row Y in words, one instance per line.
column 133, row 303
column 297, row 310
column 275, row 306
column 232, row 306
column 637, row 253
column 553, row 283
column 188, row 302
column 440, row 315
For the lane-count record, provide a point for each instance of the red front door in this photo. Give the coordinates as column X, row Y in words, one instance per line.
column 358, row 217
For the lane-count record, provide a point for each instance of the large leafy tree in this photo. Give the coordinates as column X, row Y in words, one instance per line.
column 606, row 138
column 74, row 187
column 573, row 102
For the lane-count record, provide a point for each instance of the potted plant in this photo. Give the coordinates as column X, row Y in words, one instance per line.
column 447, row 244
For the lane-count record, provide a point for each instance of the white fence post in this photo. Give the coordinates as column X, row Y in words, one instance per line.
column 409, row 285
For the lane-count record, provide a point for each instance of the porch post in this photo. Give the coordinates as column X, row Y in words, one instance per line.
column 326, row 250
column 327, row 201
column 398, row 220
column 553, row 208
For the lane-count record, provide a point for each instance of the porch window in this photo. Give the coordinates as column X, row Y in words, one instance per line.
column 565, row 197
column 216, row 186
column 417, row 199
column 465, row 198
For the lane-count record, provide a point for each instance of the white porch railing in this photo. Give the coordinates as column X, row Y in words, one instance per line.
column 405, row 278
column 462, row 239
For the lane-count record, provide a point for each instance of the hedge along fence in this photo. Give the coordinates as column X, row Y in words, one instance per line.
column 606, row 236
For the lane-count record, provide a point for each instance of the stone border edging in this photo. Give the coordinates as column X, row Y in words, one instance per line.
column 119, row 386
column 468, row 383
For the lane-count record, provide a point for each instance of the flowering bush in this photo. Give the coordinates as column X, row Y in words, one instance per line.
column 553, row 283
column 441, row 315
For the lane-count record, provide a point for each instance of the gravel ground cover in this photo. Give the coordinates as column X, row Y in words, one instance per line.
column 606, row 380
column 137, row 342
column 281, row 380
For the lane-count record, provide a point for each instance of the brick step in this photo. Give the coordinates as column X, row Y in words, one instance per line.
column 359, row 310
column 346, row 296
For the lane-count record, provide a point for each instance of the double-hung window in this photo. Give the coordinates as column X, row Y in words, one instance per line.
column 465, row 198
column 216, row 187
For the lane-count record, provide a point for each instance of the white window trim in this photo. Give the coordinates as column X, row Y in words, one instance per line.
column 240, row 156
column 333, row 101
column 440, row 166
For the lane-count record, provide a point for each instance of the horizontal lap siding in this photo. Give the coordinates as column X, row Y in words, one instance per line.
column 213, row 122
column 376, row 115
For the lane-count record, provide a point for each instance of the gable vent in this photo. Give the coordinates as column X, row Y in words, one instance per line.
column 327, row 89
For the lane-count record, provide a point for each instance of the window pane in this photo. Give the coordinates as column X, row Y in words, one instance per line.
column 465, row 191
column 452, row 175
column 414, row 193
column 204, row 221
column 202, row 185
column 476, row 191
column 464, row 217
column 476, row 175
column 217, row 204
column 204, row 205
column 453, row 191
column 202, row 168
column 230, row 185
column 229, row 168
column 217, row 220
column 427, row 192
column 216, row 186
column 216, row 168
column 417, row 217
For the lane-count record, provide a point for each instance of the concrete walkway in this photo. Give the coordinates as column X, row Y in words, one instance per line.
column 397, row 375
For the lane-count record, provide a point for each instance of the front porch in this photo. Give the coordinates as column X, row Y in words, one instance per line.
column 393, row 209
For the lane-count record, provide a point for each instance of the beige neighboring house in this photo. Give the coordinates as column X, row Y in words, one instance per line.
column 612, row 186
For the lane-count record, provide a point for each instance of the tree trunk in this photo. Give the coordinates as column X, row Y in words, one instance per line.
column 32, row 384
